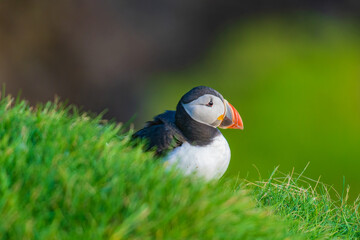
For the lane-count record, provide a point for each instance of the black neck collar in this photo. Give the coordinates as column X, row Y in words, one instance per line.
column 195, row 132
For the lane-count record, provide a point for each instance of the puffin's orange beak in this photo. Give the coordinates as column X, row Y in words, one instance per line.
column 231, row 118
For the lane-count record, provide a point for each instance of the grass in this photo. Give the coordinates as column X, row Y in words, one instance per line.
column 309, row 206
column 72, row 176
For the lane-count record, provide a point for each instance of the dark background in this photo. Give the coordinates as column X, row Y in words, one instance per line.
column 291, row 68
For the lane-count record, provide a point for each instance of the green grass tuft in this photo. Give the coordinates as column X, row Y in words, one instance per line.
column 71, row 176
column 308, row 205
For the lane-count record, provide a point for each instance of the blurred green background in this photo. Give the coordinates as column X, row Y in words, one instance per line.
column 296, row 84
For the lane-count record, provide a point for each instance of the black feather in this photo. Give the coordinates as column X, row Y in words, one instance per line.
column 161, row 134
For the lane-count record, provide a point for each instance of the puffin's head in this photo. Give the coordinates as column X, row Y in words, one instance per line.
column 205, row 105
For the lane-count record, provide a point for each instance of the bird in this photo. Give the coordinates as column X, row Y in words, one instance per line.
column 189, row 138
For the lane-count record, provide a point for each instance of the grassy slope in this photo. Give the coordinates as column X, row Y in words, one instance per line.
column 66, row 176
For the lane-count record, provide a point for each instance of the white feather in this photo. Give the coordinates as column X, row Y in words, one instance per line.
column 210, row 161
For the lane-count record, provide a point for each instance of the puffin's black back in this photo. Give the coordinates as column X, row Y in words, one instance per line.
column 161, row 133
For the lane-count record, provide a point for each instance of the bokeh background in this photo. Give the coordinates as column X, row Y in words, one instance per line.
column 291, row 68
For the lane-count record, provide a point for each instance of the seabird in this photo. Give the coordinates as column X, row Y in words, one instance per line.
column 189, row 137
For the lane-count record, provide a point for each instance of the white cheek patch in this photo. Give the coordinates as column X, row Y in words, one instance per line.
column 199, row 112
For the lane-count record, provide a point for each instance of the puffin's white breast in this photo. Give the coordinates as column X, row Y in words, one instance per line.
column 210, row 161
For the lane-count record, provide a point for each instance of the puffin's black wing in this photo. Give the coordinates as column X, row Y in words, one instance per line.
column 161, row 133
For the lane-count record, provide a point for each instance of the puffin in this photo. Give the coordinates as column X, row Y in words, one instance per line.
column 188, row 138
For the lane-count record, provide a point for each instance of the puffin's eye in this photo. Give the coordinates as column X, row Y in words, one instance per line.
column 210, row 103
